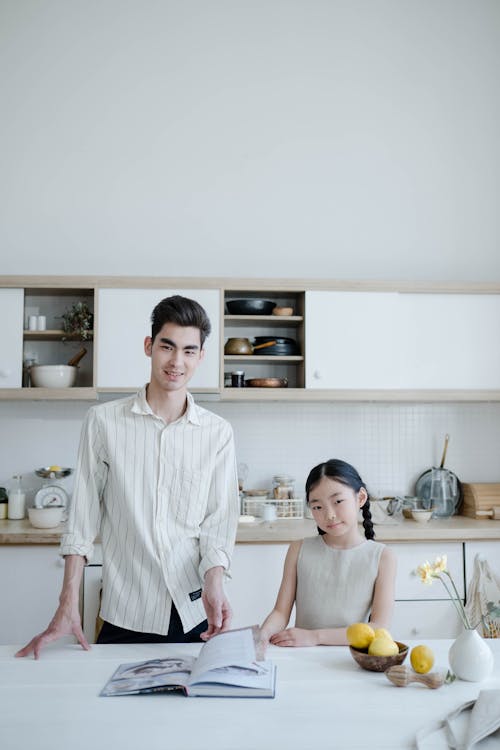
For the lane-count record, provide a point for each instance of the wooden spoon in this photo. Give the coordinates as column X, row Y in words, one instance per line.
column 401, row 676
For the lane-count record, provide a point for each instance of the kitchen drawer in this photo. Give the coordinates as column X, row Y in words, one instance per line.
column 425, row 619
column 409, row 556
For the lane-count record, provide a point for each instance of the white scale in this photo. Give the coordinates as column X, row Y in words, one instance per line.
column 52, row 494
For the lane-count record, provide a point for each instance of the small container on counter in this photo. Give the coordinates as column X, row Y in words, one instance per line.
column 238, row 379
column 283, row 487
column 4, row 500
column 17, row 499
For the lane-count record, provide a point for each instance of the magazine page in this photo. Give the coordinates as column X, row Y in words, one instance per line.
column 232, row 650
column 258, row 676
column 149, row 676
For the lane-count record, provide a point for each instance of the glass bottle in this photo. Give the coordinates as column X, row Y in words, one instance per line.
column 283, row 487
column 17, row 499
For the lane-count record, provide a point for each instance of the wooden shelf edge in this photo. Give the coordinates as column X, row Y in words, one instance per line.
column 249, row 358
column 48, row 394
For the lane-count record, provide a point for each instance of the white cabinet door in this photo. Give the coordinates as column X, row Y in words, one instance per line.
column 11, row 337
column 123, row 322
column 392, row 340
column 30, row 585
column 350, row 340
column 409, row 556
column 256, row 572
column 425, row 619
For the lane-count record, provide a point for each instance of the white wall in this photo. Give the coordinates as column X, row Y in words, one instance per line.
column 341, row 138
column 344, row 139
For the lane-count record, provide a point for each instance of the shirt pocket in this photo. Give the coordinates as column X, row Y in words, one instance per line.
column 187, row 497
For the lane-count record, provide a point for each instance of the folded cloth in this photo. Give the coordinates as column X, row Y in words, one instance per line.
column 471, row 723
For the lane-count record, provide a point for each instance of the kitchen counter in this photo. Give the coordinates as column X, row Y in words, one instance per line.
column 322, row 698
column 456, row 528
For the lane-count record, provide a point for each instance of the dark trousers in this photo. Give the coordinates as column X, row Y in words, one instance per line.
column 114, row 634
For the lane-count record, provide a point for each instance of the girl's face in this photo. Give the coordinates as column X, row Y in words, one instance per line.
column 335, row 507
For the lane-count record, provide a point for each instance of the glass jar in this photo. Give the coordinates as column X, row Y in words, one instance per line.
column 283, row 487
column 3, row 503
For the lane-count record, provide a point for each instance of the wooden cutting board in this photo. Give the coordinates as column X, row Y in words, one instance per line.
column 480, row 496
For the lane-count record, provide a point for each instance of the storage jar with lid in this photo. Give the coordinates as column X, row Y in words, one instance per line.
column 283, row 487
column 3, row 503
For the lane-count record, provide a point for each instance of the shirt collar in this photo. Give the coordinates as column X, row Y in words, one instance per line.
column 140, row 406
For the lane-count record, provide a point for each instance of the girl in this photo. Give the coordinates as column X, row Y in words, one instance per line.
column 336, row 578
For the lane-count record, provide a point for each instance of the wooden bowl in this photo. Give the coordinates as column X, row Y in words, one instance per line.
column 378, row 663
column 267, row 383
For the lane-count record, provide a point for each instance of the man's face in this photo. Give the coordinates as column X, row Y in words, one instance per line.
column 175, row 355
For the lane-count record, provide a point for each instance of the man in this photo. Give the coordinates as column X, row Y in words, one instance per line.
column 156, row 476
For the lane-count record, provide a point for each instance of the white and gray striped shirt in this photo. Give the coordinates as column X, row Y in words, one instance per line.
column 164, row 498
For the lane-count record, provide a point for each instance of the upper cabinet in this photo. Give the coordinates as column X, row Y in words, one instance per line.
column 313, row 340
column 369, row 341
column 124, row 320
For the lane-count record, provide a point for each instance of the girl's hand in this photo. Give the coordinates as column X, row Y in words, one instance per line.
column 295, row 637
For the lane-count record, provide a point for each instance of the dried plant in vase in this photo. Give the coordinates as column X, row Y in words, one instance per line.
column 78, row 321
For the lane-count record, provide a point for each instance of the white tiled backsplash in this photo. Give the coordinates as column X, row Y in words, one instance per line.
column 390, row 444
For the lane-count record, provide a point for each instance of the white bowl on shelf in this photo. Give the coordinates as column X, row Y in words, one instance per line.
column 420, row 515
column 53, row 376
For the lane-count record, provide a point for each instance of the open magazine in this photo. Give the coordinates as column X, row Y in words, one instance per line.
column 228, row 665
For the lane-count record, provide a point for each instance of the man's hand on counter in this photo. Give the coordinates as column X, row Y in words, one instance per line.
column 216, row 604
column 66, row 621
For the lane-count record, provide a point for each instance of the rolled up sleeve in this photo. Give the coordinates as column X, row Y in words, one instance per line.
column 218, row 529
column 85, row 507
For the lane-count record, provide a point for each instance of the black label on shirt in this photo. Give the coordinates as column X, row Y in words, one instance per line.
column 194, row 595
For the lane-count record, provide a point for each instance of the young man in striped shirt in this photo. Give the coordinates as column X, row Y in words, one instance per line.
column 156, row 478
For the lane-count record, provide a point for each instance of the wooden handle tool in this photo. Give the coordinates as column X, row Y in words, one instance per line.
column 401, row 676
column 493, row 513
column 263, row 346
column 78, row 356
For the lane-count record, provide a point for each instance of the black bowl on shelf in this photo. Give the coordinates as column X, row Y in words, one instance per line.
column 250, row 306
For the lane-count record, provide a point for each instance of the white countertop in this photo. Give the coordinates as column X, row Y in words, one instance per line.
column 323, row 700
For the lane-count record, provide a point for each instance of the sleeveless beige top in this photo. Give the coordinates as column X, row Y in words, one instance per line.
column 335, row 586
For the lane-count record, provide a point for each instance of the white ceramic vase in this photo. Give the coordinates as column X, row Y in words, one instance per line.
column 471, row 657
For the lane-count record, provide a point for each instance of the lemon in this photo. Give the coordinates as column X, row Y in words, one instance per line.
column 422, row 659
column 360, row 635
column 383, row 646
column 55, row 467
column 383, row 633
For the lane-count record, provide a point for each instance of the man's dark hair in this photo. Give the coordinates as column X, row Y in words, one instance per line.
column 183, row 312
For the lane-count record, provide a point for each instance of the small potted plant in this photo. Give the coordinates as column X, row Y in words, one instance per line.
column 78, row 321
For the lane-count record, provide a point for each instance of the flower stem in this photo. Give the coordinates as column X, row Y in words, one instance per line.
column 456, row 600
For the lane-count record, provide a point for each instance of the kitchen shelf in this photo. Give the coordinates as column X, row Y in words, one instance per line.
column 268, row 320
column 271, row 359
column 54, row 335
column 48, row 394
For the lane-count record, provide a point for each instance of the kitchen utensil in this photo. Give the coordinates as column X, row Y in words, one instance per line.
column 443, row 492
column 493, row 513
column 243, row 346
column 281, row 345
column 378, row 663
column 250, row 306
column 78, row 356
column 267, row 383
column 479, row 496
column 283, row 311
column 52, row 376
column 51, row 495
column 401, row 676
column 238, row 346
column 423, row 483
column 47, row 472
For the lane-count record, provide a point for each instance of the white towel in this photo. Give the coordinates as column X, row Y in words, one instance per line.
column 471, row 723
